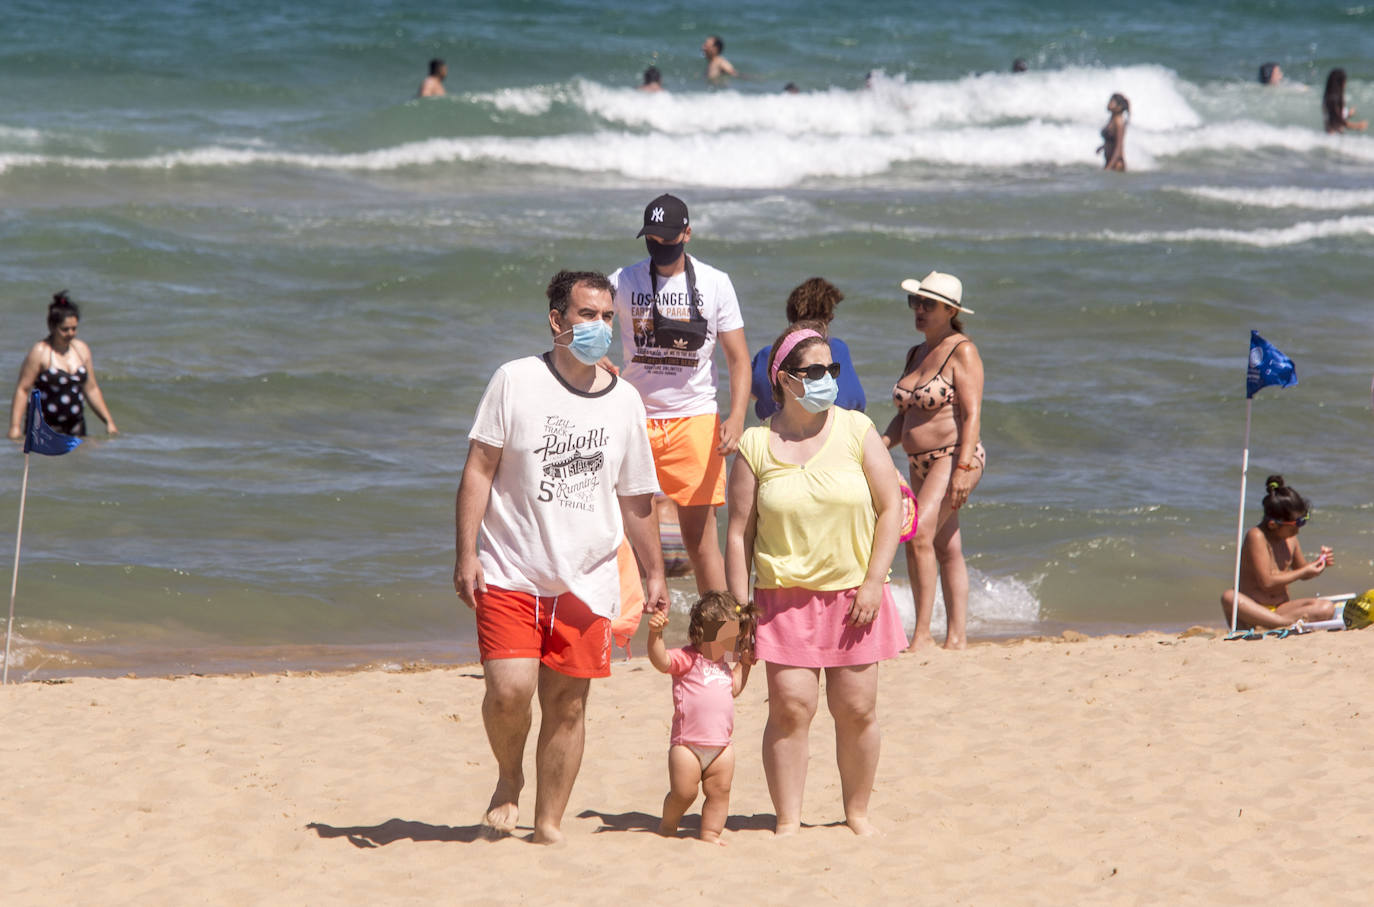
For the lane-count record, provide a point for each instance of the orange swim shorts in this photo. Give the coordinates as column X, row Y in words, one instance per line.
column 689, row 469
column 560, row 631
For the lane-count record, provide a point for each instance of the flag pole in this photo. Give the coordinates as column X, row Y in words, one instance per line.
column 1240, row 518
column 14, row 575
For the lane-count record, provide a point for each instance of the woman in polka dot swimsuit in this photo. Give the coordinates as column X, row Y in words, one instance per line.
column 60, row 367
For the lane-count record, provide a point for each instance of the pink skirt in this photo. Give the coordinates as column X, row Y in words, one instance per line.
column 806, row 629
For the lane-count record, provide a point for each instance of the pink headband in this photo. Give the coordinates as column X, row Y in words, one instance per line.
column 788, row 344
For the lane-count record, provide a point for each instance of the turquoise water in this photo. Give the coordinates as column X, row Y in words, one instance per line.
column 297, row 280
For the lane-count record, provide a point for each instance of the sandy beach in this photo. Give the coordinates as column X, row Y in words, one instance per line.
column 1145, row 769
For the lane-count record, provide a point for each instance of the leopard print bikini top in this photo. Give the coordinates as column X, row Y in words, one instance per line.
column 932, row 395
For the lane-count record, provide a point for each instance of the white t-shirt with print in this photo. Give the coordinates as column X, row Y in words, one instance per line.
column 673, row 383
column 553, row 520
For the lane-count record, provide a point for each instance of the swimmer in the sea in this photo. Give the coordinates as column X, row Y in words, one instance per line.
column 653, row 80
column 717, row 67
column 1334, row 111
column 1113, row 147
column 433, row 85
column 1271, row 559
column 1270, row 74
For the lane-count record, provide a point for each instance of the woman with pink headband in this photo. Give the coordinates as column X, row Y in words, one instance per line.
column 815, row 511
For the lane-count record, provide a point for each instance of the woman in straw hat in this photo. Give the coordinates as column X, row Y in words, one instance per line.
column 939, row 401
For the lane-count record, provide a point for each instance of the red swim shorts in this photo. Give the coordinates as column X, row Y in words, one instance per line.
column 559, row 630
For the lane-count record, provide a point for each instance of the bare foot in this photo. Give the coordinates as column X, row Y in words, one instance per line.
column 667, row 829
column 861, row 826
column 953, row 643
column 712, row 838
column 548, row 835
column 786, row 829
column 921, row 643
column 503, row 812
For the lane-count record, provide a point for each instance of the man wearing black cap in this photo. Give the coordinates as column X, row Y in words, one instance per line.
column 673, row 311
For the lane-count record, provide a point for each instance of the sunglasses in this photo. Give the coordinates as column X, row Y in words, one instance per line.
column 923, row 303
column 816, row 372
column 1299, row 522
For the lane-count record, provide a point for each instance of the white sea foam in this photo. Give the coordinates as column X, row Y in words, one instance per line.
column 1284, row 197
column 533, row 101
column 26, row 140
column 1263, row 238
column 1003, row 602
column 891, row 106
column 743, row 159
column 20, row 136
column 733, row 140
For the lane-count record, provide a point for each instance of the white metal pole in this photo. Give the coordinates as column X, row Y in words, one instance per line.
column 1240, row 519
column 14, row 575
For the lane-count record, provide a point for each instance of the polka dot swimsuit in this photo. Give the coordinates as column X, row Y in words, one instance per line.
column 62, row 398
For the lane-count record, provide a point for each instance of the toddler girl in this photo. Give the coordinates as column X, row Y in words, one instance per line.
column 704, row 691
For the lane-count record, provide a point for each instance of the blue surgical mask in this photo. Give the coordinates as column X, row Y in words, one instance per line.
column 820, row 394
column 591, row 341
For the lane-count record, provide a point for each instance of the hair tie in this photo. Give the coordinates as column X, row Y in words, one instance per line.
column 788, row 344
column 1273, row 486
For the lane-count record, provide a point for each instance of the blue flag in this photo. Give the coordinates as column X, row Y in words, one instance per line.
column 38, row 438
column 1267, row 366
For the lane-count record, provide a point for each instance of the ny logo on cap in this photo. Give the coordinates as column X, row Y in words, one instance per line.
column 656, row 215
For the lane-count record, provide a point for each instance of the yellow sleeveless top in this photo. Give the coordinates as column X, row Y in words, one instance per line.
column 815, row 521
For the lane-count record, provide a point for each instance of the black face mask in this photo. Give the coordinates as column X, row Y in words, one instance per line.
column 662, row 254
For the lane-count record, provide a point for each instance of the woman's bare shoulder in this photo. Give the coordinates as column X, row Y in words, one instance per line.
column 966, row 353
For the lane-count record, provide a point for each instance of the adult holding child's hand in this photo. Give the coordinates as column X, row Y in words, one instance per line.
column 815, row 510
column 559, row 471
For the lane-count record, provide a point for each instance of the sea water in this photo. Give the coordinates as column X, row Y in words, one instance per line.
column 297, row 279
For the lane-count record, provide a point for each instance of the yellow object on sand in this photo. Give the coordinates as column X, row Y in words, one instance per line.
column 1359, row 612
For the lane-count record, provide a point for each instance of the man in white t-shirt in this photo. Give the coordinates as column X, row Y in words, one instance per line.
column 674, row 310
column 558, row 473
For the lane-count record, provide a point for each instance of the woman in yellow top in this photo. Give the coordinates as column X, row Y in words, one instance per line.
column 814, row 509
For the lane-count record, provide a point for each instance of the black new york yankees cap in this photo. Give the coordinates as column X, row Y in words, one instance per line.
column 665, row 217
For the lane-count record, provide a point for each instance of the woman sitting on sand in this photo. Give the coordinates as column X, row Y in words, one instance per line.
column 1270, row 559
column 60, row 366
column 815, row 511
column 1113, row 147
column 1334, row 112
column 939, row 400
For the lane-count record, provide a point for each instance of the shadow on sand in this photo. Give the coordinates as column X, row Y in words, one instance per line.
column 393, row 830
column 638, row 821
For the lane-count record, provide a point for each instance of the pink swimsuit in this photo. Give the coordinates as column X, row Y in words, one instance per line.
column 703, row 703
